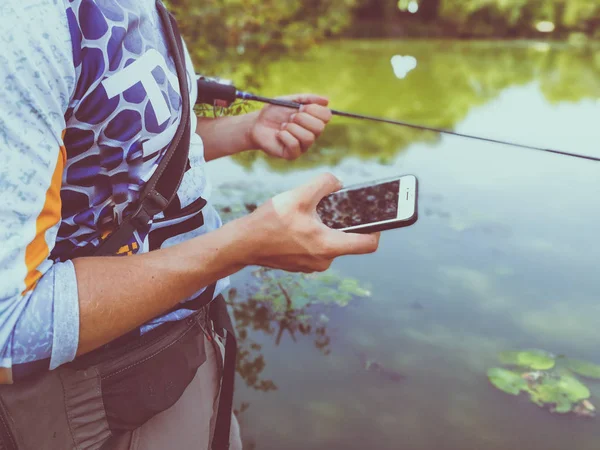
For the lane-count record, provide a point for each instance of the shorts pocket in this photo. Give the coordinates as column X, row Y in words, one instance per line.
column 152, row 381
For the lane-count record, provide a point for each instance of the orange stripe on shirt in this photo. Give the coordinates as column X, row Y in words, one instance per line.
column 37, row 251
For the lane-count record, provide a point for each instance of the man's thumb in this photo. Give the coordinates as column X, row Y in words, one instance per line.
column 321, row 186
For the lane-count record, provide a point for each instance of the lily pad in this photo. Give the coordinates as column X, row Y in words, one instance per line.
column 327, row 277
column 563, row 392
column 351, row 286
column 283, row 292
column 573, row 389
column 533, row 359
column 507, row 380
column 563, row 408
column 548, row 393
column 584, row 368
column 509, row 357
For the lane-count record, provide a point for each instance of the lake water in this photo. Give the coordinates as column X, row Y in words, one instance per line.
column 504, row 255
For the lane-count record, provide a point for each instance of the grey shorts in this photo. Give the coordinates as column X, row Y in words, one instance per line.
column 160, row 393
column 190, row 422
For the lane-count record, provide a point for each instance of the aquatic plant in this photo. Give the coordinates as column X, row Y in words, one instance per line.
column 583, row 368
column 549, row 380
column 279, row 303
column 284, row 291
column 507, row 380
column 563, row 392
column 532, row 359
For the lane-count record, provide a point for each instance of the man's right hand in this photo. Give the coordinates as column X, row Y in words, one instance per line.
column 119, row 294
column 289, row 234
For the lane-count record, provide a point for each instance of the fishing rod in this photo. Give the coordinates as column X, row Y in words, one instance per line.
column 212, row 92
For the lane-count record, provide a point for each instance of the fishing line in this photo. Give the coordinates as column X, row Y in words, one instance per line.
column 211, row 92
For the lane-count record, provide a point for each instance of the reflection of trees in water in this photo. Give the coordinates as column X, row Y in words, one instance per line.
column 257, row 317
column 451, row 78
column 571, row 75
column 278, row 303
column 250, row 362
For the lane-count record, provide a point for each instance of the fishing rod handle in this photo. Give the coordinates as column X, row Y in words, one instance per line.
column 210, row 92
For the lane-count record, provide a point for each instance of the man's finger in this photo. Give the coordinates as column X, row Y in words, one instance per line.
column 291, row 145
column 311, row 123
column 303, row 135
column 320, row 112
column 343, row 243
column 313, row 191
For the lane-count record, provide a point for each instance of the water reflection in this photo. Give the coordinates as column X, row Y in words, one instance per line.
column 275, row 304
column 402, row 65
column 451, row 80
column 500, row 260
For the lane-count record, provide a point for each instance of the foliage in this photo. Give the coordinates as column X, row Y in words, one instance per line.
column 583, row 368
column 485, row 17
column 233, row 39
column 524, row 14
column 227, row 38
column 284, row 291
column 551, row 385
column 564, row 392
column 531, row 359
column 563, row 387
column 507, row 381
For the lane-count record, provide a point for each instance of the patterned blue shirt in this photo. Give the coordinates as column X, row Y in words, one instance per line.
column 89, row 100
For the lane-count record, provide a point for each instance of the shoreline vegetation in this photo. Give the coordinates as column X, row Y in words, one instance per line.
column 233, row 39
column 274, row 24
column 375, row 29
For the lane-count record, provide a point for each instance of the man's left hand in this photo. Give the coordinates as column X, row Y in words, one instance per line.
column 286, row 133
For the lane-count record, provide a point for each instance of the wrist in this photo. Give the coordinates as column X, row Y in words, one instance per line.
column 239, row 131
column 248, row 239
column 248, row 121
column 237, row 243
column 255, row 236
column 211, row 256
column 226, row 136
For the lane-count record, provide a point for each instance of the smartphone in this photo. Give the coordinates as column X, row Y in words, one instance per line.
column 370, row 207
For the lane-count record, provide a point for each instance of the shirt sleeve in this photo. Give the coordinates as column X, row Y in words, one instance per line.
column 39, row 308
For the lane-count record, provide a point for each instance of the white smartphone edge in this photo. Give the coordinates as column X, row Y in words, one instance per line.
column 406, row 201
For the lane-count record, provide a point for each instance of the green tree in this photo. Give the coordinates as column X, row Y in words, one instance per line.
column 509, row 18
column 233, row 38
column 521, row 16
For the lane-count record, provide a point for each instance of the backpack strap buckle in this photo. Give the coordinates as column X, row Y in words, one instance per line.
column 152, row 204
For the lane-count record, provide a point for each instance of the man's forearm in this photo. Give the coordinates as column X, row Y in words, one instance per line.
column 225, row 136
column 117, row 294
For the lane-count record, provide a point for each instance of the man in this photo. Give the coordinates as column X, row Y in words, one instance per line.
column 100, row 351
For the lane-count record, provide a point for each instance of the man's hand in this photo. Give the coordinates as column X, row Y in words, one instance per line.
column 289, row 235
column 286, row 133
column 284, row 233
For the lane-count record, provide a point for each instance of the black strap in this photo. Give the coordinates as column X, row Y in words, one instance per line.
column 222, row 323
column 160, row 190
column 156, row 196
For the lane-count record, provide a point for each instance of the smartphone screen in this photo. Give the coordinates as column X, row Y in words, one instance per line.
column 361, row 205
